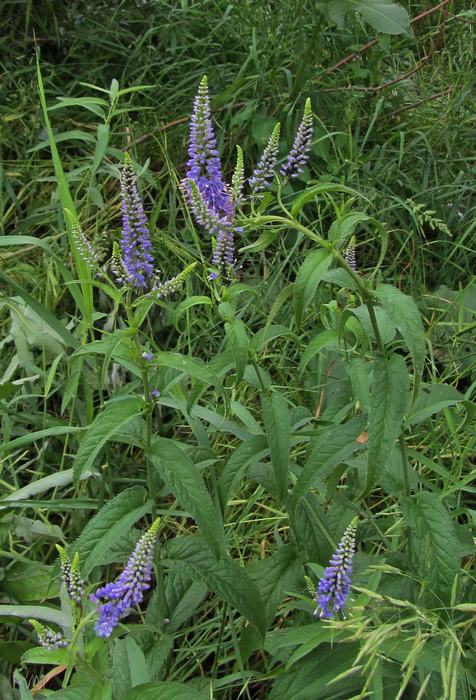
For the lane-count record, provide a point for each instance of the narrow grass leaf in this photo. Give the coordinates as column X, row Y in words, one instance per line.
column 166, row 690
column 238, row 342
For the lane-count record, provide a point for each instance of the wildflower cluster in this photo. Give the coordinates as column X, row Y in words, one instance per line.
column 131, row 261
column 71, row 575
column 212, row 201
column 117, row 598
column 48, row 638
column 334, row 586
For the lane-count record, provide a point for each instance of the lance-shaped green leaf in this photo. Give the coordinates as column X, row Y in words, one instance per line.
column 111, row 523
column 188, row 365
column 403, row 311
column 186, row 483
column 129, row 667
column 277, row 425
column 226, row 578
column 438, row 547
column 238, row 342
column 388, row 404
column 308, row 277
column 110, row 421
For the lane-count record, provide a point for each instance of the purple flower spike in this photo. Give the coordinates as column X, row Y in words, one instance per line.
column 299, row 153
column 48, row 638
column 135, row 240
column 349, row 254
column 334, row 586
column 264, row 171
column 118, row 597
column 204, row 162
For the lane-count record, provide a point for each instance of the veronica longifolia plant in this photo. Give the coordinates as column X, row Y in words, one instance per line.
column 213, row 202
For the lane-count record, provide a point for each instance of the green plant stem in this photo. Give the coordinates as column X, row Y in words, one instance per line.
column 145, row 383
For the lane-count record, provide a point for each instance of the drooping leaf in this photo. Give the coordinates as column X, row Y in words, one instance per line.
column 108, row 525
column 359, row 376
column 388, row 405
column 110, row 421
column 308, row 277
column 186, row 483
column 277, row 426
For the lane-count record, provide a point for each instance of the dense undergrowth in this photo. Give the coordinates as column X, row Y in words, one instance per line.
column 257, row 416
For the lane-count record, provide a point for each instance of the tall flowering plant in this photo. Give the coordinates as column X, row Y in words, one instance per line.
column 215, row 204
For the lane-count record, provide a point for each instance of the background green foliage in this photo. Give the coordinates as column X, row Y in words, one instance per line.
column 254, row 464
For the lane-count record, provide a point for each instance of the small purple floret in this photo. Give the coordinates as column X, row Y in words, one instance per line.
column 334, row 586
column 117, row 598
column 135, row 240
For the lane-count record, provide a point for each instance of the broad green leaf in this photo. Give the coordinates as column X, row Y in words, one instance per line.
column 129, row 668
column 388, row 404
column 187, row 304
column 186, row 483
column 277, row 425
column 37, row 612
column 238, row 342
column 432, row 398
column 326, row 450
column 53, row 657
column 165, row 690
column 187, row 365
column 438, row 547
column 111, row 523
column 226, row 578
column 249, row 451
column 403, row 311
column 275, row 575
column 383, row 15
column 117, row 347
column 325, row 339
column 110, row 421
column 308, row 277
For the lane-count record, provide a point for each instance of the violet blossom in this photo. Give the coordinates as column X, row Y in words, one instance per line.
column 117, row 598
column 334, row 586
column 299, row 153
